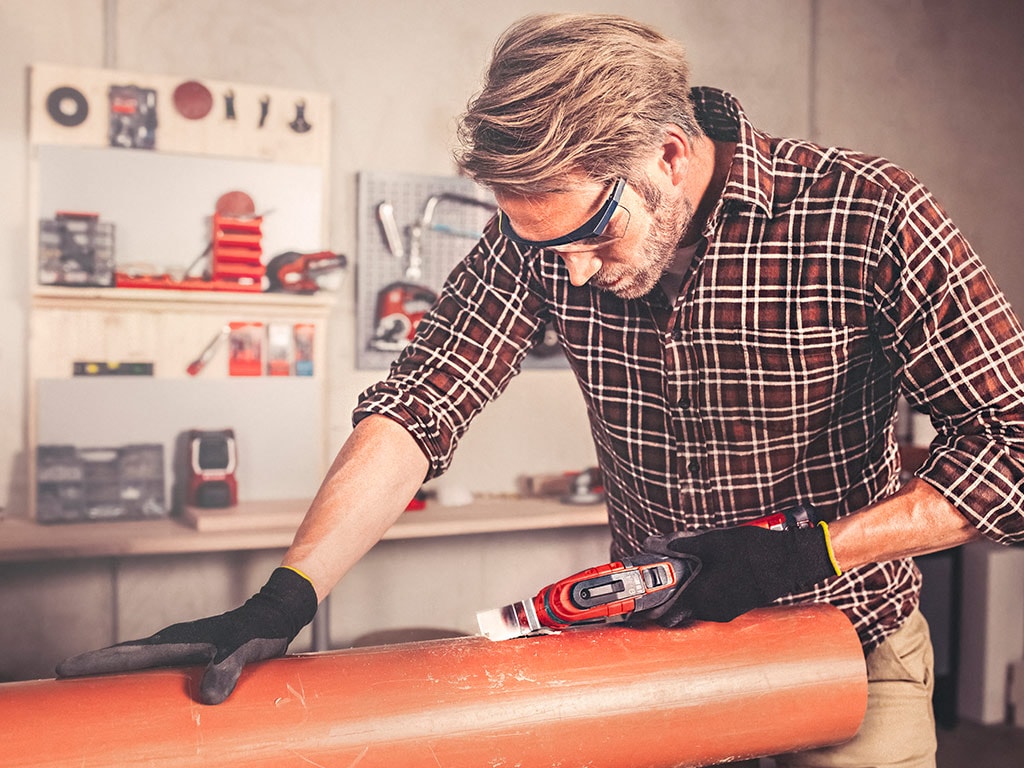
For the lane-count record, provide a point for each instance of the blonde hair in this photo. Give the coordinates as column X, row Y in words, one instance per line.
column 566, row 94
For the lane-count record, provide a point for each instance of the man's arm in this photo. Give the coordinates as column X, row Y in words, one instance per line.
column 746, row 567
column 369, row 485
column 378, row 470
column 915, row 520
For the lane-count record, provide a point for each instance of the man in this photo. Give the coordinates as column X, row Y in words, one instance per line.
column 742, row 314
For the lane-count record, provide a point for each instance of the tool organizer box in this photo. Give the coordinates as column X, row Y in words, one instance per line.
column 120, row 483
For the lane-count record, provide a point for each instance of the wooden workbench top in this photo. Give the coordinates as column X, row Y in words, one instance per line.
column 256, row 525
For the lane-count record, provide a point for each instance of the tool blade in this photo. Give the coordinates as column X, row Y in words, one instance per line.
column 507, row 622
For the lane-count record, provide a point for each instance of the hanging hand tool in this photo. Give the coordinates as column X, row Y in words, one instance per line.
column 426, row 221
column 207, row 354
column 264, row 110
column 300, row 124
column 613, row 591
column 386, row 217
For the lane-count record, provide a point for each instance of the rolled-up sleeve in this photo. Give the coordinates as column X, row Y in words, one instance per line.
column 467, row 348
column 961, row 351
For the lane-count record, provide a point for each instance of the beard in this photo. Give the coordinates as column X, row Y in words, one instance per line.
column 655, row 254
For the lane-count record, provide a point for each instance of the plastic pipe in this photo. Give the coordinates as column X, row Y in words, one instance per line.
column 771, row 681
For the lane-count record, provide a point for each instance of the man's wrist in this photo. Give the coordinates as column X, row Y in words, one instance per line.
column 294, row 594
column 828, row 548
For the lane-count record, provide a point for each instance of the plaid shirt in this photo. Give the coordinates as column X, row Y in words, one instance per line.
column 831, row 282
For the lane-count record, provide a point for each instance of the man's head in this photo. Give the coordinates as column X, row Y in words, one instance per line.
column 570, row 96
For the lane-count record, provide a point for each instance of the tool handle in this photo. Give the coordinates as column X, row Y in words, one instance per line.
column 204, row 357
column 414, row 265
column 609, row 590
column 792, row 519
column 386, row 216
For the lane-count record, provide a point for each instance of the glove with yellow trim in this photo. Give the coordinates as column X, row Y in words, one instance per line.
column 260, row 629
column 741, row 568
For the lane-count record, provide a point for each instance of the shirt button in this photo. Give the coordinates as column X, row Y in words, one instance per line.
column 693, row 465
column 684, row 401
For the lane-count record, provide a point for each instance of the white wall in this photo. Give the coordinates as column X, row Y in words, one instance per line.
column 936, row 85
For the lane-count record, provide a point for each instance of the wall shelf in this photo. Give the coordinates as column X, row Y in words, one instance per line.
column 143, row 299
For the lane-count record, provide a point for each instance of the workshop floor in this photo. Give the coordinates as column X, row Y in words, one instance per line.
column 969, row 745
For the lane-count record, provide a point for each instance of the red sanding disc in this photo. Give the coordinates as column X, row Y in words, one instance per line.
column 235, row 203
column 193, row 100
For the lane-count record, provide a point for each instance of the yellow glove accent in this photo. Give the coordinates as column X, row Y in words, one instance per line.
column 828, row 546
column 296, row 570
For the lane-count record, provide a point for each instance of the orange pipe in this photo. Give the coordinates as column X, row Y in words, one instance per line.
column 772, row 681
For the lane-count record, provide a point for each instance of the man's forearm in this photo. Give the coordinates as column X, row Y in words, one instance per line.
column 378, row 470
column 914, row 521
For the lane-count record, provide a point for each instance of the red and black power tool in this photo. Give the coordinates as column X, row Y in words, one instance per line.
column 303, row 273
column 400, row 307
column 212, row 459
column 605, row 592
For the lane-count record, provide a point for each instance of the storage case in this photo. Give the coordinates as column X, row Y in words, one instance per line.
column 122, row 483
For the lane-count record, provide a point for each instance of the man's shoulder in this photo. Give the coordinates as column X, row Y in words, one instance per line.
column 810, row 160
column 786, row 168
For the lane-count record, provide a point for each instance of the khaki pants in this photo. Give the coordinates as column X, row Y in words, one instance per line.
column 899, row 727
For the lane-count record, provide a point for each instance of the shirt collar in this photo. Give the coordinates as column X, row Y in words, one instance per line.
column 750, row 178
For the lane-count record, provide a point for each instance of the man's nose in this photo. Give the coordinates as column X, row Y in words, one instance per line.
column 582, row 266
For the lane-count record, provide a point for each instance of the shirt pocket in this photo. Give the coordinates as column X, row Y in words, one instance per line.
column 761, row 384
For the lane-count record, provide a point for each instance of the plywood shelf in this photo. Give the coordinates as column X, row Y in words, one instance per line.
column 143, row 299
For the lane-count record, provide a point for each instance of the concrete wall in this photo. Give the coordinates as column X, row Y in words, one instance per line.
column 933, row 84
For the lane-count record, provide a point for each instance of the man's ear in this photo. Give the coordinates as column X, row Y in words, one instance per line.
column 676, row 154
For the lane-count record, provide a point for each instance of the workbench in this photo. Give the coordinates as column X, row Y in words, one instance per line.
column 256, row 525
column 81, row 585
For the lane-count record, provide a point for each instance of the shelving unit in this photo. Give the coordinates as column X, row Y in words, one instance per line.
column 161, row 196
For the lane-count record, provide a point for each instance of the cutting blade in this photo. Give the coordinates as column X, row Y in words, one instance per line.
column 514, row 620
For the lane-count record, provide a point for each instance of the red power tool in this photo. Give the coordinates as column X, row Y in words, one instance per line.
column 400, row 307
column 611, row 591
column 294, row 272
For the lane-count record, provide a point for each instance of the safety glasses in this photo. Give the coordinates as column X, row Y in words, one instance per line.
column 609, row 223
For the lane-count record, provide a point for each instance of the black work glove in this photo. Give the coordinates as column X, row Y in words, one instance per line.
column 261, row 629
column 739, row 569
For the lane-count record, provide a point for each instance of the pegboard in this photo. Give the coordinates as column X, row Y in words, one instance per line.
column 380, row 265
column 441, row 208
